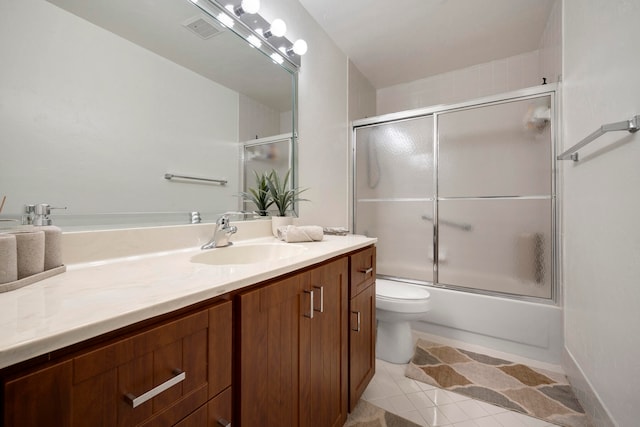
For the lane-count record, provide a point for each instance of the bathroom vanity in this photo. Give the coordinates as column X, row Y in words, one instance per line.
column 289, row 343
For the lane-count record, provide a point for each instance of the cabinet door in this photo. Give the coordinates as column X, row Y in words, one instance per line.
column 362, row 345
column 266, row 382
column 324, row 363
column 42, row 398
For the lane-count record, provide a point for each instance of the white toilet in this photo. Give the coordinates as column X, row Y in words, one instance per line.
column 397, row 304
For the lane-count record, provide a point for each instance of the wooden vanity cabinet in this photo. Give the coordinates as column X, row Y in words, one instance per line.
column 186, row 360
column 362, row 322
column 292, row 349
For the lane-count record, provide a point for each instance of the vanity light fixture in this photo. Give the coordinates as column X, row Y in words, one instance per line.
column 255, row 41
column 247, row 6
column 278, row 28
column 225, row 20
column 242, row 17
column 299, row 47
column 277, row 58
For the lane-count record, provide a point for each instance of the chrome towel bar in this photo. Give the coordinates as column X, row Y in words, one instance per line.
column 631, row 126
column 170, row 176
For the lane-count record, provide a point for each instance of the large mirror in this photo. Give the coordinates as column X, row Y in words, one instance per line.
column 101, row 99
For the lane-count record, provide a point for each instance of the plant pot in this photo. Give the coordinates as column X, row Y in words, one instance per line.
column 280, row 221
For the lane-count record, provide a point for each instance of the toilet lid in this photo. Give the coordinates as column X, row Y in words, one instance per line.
column 398, row 290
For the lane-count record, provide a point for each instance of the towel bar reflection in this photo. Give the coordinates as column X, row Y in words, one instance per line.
column 631, row 126
column 171, row 176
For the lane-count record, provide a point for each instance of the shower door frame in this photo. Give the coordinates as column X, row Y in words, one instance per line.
column 550, row 90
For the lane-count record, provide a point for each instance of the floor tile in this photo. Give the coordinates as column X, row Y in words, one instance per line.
column 453, row 413
column 473, row 409
column 434, row 417
column 421, row 400
column 487, row 422
column 415, row 417
column 468, row 423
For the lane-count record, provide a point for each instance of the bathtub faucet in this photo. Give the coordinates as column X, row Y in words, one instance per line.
column 221, row 234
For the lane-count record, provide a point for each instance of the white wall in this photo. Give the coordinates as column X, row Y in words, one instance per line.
column 362, row 95
column 490, row 78
column 256, row 120
column 550, row 46
column 322, row 108
column 91, row 121
column 602, row 206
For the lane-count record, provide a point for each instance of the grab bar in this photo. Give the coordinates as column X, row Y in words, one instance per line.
column 465, row 227
column 170, row 176
column 631, row 126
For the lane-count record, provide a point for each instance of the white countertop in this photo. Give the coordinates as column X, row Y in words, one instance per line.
column 90, row 299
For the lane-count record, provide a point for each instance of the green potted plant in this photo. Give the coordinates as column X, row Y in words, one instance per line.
column 283, row 197
column 260, row 195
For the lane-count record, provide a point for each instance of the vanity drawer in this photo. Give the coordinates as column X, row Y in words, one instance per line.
column 159, row 376
column 155, row 377
column 362, row 266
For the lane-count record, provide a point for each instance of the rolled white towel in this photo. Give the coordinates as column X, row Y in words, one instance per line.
column 303, row 233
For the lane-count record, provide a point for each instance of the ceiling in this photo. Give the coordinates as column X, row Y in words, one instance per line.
column 399, row 41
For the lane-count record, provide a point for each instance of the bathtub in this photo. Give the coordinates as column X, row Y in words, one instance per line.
column 529, row 329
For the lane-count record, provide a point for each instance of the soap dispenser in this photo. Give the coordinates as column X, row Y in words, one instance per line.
column 52, row 235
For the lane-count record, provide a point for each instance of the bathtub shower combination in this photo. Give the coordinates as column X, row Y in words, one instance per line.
column 463, row 196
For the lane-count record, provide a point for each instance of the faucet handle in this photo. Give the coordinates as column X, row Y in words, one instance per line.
column 43, row 208
column 223, row 221
column 39, row 214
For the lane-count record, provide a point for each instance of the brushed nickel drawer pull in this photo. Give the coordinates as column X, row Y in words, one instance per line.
column 137, row 401
column 366, row 270
column 357, row 313
column 310, row 315
column 224, row 423
column 321, row 298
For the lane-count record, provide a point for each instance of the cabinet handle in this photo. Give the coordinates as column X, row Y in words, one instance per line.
column 357, row 313
column 321, row 298
column 137, row 401
column 224, row 423
column 310, row 315
column 366, row 270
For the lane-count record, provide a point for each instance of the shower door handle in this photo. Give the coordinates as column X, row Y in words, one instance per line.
column 357, row 313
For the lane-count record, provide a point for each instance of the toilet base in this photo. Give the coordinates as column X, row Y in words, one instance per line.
column 394, row 342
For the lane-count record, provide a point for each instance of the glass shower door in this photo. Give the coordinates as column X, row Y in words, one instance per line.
column 495, row 198
column 394, row 195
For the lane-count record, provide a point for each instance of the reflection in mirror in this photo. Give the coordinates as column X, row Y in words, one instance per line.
column 263, row 156
column 105, row 97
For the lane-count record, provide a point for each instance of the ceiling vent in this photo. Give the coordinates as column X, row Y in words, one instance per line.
column 203, row 28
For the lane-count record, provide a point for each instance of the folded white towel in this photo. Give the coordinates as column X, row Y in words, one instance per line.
column 303, row 233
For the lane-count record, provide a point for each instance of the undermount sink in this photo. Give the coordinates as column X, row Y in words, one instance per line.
column 248, row 254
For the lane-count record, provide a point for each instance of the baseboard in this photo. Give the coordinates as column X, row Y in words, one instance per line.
column 585, row 393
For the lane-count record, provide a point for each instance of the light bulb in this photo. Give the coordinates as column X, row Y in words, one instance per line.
column 278, row 27
column 300, row 47
column 254, row 40
column 225, row 20
column 277, row 58
column 250, row 6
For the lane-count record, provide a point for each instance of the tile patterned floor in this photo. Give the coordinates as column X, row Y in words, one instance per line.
column 430, row 406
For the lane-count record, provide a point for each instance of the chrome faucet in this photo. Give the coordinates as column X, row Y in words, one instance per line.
column 222, row 234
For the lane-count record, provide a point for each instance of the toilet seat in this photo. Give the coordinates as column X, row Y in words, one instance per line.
column 401, row 297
